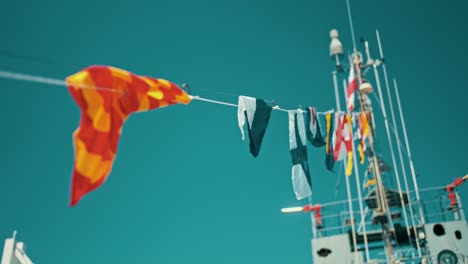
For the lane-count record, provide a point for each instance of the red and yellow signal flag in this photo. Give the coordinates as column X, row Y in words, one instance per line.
column 107, row 96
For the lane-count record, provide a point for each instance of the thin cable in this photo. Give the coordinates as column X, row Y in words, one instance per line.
column 337, row 185
column 393, row 130
column 220, row 92
column 217, row 92
column 198, row 98
column 431, row 188
column 31, row 78
column 279, row 109
column 58, row 82
column 27, row 57
column 413, row 172
column 323, row 205
column 351, row 25
column 46, row 80
column 392, row 154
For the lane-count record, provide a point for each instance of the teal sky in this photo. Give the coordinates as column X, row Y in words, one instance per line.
column 184, row 187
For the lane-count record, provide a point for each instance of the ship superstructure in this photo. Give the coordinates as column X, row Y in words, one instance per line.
column 384, row 221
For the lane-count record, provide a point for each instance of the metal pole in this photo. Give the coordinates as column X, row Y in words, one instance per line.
column 312, row 220
column 358, row 186
column 381, row 199
column 460, row 206
column 397, row 176
column 397, row 136
column 348, row 188
column 380, row 192
column 413, row 172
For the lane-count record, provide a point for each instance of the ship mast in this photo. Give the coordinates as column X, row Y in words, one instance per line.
column 381, row 212
column 358, row 187
column 348, row 188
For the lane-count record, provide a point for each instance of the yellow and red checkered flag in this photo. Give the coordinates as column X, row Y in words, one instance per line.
column 107, row 96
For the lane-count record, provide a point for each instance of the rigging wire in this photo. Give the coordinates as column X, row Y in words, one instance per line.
column 393, row 129
column 48, row 81
column 351, row 25
column 45, row 80
column 337, row 186
column 323, row 205
column 58, row 82
column 196, row 97
column 31, row 58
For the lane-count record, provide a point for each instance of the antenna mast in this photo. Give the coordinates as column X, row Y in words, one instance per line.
column 413, row 172
column 381, row 213
column 399, row 147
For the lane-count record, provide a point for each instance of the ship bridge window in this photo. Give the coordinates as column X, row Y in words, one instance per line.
column 458, row 235
column 324, row 252
column 439, row 230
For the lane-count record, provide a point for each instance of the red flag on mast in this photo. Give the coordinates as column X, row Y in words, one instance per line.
column 352, row 88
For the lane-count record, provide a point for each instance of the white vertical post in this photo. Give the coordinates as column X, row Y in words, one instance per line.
column 358, row 186
column 460, row 206
column 413, row 172
column 397, row 177
column 9, row 250
column 348, row 188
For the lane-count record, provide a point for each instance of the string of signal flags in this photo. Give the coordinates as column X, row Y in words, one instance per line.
column 107, row 96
